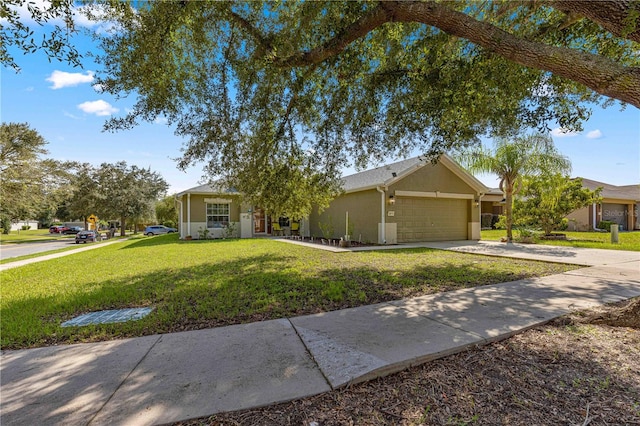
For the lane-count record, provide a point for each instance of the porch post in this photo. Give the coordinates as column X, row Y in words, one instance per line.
column 188, row 214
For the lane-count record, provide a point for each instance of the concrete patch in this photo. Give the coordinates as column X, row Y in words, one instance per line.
column 65, row 385
column 489, row 312
column 629, row 272
column 360, row 343
column 109, row 316
column 198, row 373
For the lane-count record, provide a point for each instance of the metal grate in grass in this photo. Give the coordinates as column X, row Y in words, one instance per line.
column 110, row 316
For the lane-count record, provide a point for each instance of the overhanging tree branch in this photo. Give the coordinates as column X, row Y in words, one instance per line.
column 600, row 74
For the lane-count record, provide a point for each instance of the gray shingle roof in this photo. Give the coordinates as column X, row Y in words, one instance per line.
column 380, row 175
column 625, row 192
column 208, row 189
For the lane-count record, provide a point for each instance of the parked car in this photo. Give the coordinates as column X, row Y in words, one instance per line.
column 57, row 229
column 73, row 230
column 158, row 229
column 91, row 236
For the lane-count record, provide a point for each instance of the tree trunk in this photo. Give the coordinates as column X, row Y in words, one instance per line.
column 509, row 212
column 614, row 16
column 625, row 316
column 602, row 75
column 123, row 228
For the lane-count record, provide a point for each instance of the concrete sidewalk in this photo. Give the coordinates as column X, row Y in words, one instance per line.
column 171, row 377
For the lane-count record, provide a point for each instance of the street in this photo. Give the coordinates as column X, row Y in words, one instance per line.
column 8, row 251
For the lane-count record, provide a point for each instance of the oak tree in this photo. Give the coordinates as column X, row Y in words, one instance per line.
column 276, row 97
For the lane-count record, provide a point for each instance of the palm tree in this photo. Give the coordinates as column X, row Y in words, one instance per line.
column 527, row 155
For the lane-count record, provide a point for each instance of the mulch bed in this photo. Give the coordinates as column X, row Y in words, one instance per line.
column 568, row 372
column 333, row 242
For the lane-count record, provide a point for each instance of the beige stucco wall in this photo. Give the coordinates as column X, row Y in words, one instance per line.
column 364, row 214
column 199, row 207
column 432, row 177
column 364, row 207
column 196, row 221
column 580, row 220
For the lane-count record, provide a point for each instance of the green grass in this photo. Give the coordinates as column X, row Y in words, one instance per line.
column 202, row 284
column 30, row 236
column 599, row 240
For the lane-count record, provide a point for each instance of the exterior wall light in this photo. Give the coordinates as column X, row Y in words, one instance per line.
column 392, row 200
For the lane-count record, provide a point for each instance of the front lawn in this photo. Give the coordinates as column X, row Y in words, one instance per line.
column 201, row 284
column 30, row 236
column 599, row 240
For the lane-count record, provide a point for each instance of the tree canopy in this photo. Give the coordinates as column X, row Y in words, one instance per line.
column 22, row 172
column 257, row 88
column 512, row 161
column 546, row 200
column 116, row 191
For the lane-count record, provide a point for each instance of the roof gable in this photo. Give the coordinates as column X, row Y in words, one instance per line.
column 625, row 192
column 207, row 189
column 391, row 173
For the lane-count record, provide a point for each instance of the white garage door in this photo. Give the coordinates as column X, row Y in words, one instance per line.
column 431, row 219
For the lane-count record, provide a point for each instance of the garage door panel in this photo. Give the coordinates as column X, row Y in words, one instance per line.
column 429, row 219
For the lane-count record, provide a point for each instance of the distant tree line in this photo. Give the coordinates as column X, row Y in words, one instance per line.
column 33, row 187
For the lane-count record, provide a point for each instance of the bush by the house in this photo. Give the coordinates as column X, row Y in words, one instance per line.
column 501, row 223
column 605, row 224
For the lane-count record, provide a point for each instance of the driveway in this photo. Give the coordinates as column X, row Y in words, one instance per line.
column 557, row 254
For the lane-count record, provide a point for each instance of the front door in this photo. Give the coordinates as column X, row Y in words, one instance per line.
column 261, row 223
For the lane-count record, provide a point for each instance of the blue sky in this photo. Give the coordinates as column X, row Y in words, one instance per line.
column 59, row 101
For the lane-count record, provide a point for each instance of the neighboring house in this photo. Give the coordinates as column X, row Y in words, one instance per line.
column 407, row 201
column 410, row 200
column 619, row 205
column 17, row 226
column 492, row 205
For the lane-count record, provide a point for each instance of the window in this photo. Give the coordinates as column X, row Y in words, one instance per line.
column 217, row 215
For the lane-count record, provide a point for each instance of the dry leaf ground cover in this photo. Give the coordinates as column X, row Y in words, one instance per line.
column 201, row 284
column 568, row 372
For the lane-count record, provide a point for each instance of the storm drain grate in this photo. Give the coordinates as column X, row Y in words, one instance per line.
column 105, row 317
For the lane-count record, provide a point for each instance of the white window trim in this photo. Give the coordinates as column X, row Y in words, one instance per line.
column 206, row 210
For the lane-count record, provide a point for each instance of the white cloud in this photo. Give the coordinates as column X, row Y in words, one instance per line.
column 594, row 134
column 563, row 133
column 62, row 79
column 160, row 120
column 99, row 108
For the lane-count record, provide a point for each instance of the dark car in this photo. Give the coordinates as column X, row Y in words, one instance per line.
column 158, row 229
column 90, row 236
column 73, row 230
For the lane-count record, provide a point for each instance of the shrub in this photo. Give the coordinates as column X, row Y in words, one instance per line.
column 326, row 228
column 169, row 223
column 605, row 224
column 203, row 234
column 564, row 224
column 230, row 230
column 25, row 227
column 501, row 223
